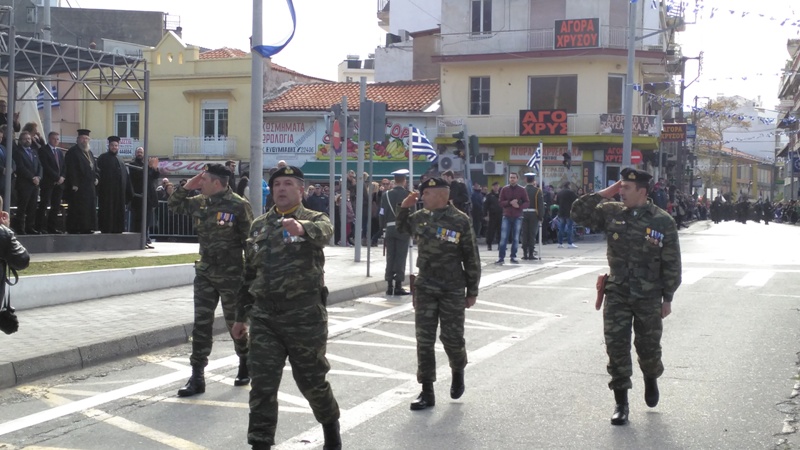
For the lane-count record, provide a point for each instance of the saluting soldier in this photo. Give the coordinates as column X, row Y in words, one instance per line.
column 222, row 220
column 284, row 295
column 396, row 243
column 645, row 260
column 447, row 284
column 531, row 216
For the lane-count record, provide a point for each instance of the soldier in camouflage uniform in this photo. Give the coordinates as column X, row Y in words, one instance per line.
column 448, row 266
column 222, row 220
column 531, row 216
column 284, row 296
column 396, row 243
column 645, row 260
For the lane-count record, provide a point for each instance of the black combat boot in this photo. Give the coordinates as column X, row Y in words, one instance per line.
column 399, row 290
column 425, row 399
column 390, row 289
column 620, row 416
column 650, row 392
column 261, row 446
column 196, row 383
column 457, row 385
column 333, row 441
column 243, row 376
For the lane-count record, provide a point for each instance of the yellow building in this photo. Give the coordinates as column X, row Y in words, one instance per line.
column 199, row 105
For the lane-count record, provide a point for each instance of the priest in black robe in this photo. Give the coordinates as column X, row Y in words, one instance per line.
column 114, row 189
column 79, row 187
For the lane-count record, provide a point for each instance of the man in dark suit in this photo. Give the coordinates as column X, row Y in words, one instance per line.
column 29, row 176
column 52, row 186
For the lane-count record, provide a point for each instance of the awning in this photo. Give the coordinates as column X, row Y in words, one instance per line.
column 320, row 170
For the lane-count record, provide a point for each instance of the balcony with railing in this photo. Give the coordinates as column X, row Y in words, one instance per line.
column 532, row 40
column 577, row 125
column 200, row 146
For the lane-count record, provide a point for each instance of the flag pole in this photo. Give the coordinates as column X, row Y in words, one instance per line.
column 411, row 189
column 541, row 181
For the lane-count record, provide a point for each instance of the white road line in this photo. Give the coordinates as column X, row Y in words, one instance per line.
column 399, row 337
column 394, row 396
column 528, row 286
column 493, row 326
column 374, row 344
column 144, row 431
column 157, row 382
column 692, row 276
column 362, row 364
column 568, row 275
column 756, row 278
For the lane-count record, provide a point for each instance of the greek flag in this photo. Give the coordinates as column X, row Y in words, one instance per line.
column 40, row 98
column 536, row 160
column 420, row 145
column 268, row 51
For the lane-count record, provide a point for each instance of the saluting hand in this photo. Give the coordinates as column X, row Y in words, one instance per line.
column 194, row 183
column 611, row 191
column 410, row 200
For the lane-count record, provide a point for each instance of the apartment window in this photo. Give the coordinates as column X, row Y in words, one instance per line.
column 215, row 120
column 126, row 120
column 556, row 92
column 481, row 16
column 616, row 88
column 479, row 96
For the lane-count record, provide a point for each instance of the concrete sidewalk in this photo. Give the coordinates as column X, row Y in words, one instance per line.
column 71, row 336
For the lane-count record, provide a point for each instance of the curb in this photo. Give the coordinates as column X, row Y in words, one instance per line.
column 27, row 370
column 57, row 289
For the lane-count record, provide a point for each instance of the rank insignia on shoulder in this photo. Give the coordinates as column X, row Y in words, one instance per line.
column 615, row 236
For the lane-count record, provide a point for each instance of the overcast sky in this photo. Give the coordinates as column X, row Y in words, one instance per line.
column 327, row 31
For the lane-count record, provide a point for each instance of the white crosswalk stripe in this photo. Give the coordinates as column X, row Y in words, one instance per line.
column 692, row 276
column 756, row 278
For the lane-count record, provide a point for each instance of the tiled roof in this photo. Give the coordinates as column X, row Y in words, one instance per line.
column 222, row 53
column 398, row 96
column 736, row 153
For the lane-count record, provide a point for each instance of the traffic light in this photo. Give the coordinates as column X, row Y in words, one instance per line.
column 459, row 144
column 474, row 145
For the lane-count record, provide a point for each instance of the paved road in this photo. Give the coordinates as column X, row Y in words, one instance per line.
column 536, row 377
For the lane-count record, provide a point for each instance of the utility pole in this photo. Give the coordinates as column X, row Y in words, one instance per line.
column 627, row 139
column 47, row 107
column 256, row 113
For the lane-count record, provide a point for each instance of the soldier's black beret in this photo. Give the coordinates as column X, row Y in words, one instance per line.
column 218, row 170
column 288, row 171
column 433, row 183
column 636, row 175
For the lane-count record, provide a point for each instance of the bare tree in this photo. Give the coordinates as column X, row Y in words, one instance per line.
column 713, row 164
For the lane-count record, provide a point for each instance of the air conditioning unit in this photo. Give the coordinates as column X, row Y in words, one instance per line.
column 450, row 162
column 494, row 168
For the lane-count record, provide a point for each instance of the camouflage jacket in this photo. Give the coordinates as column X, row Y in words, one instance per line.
column 643, row 249
column 222, row 222
column 448, row 255
column 281, row 269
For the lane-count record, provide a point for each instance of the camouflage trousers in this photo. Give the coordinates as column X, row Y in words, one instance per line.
column 301, row 335
column 208, row 290
column 435, row 307
column 619, row 313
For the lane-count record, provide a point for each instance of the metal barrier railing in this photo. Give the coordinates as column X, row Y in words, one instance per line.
column 168, row 225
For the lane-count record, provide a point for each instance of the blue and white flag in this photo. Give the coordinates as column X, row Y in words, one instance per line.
column 420, row 145
column 536, row 160
column 268, row 51
column 40, row 98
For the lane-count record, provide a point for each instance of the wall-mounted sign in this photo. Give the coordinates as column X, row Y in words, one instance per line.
column 577, row 33
column 543, row 122
column 673, row 132
column 550, row 154
column 615, row 124
column 614, row 155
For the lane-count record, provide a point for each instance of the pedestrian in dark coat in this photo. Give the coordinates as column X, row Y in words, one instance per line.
column 136, row 170
column 29, row 176
column 52, row 185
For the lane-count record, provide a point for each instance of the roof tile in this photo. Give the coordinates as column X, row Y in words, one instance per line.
column 222, row 53
column 398, row 96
